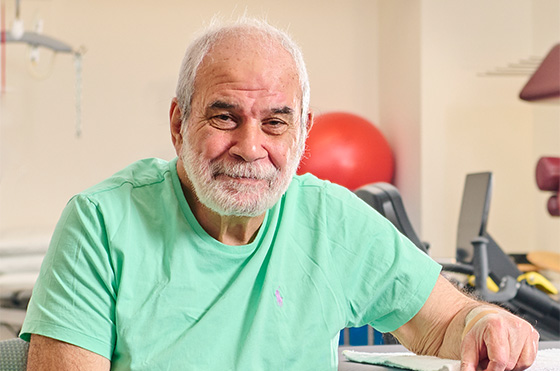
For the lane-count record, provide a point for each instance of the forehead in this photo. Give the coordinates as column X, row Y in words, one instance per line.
column 248, row 62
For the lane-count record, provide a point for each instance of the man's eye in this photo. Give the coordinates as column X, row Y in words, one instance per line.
column 222, row 117
column 223, row 121
column 276, row 126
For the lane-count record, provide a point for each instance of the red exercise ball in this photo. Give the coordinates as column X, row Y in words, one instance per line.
column 348, row 150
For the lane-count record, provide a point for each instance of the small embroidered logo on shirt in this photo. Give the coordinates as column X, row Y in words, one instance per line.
column 279, row 299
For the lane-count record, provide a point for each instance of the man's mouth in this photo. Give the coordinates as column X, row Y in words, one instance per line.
column 240, row 178
column 243, row 175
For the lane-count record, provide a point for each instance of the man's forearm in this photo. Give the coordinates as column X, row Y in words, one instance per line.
column 433, row 331
column 452, row 325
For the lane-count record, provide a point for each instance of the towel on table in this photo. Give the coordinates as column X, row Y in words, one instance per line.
column 547, row 360
column 406, row 360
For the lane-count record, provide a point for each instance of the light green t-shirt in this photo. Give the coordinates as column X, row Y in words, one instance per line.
column 132, row 276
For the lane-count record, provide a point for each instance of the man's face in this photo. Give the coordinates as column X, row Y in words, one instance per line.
column 242, row 142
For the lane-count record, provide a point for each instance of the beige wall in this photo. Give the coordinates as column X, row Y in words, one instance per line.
column 410, row 66
column 474, row 123
column 546, row 122
column 400, row 100
column 446, row 120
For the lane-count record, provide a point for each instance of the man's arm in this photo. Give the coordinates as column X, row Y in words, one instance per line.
column 451, row 325
column 49, row 354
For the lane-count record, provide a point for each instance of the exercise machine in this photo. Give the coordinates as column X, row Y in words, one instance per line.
column 478, row 254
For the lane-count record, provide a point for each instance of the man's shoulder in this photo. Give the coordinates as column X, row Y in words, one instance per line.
column 309, row 180
column 310, row 183
column 309, row 189
column 139, row 174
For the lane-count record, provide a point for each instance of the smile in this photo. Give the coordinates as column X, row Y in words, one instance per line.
column 240, row 179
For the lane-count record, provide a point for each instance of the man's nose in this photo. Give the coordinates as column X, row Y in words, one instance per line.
column 248, row 142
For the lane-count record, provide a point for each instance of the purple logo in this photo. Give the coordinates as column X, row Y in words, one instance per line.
column 279, row 299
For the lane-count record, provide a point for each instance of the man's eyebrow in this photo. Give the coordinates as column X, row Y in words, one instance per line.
column 222, row 105
column 283, row 111
column 219, row 104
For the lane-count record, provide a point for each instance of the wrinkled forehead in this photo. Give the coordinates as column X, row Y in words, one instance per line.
column 242, row 39
column 251, row 54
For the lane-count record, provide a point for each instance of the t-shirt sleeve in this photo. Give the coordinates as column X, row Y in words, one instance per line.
column 386, row 279
column 74, row 297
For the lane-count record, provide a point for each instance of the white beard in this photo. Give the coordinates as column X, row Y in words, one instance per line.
column 225, row 195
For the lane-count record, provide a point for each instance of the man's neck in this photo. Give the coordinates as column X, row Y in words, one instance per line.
column 229, row 230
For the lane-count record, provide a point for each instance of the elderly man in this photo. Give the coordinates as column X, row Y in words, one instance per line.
column 223, row 259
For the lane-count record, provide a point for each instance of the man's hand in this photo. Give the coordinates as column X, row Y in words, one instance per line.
column 495, row 340
column 484, row 337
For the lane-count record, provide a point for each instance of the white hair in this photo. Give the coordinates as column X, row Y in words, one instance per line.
column 199, row 47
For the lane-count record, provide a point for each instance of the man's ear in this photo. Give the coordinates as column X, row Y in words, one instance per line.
column 175, row 123
column 310, row 118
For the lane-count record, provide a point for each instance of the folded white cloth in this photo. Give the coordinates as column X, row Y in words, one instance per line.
column 547, row 360
column 406, row 360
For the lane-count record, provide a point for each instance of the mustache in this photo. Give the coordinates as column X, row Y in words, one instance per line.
column 244, row 170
